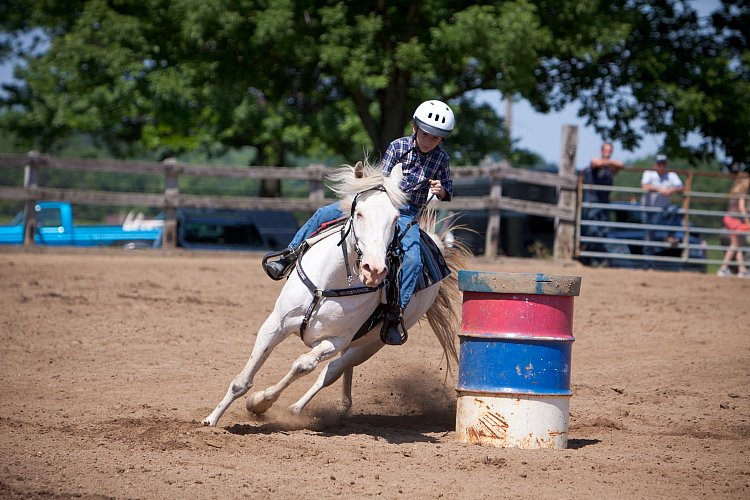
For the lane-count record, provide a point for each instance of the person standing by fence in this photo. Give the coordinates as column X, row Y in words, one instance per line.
column 736, row 220
column 659, row 186
column 601, row 171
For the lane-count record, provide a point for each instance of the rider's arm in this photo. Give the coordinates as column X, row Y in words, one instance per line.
column 446, row 183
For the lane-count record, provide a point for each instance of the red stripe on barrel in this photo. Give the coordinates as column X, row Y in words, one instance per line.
column 517, row 315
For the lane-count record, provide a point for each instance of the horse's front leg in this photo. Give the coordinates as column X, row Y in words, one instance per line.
column 345, row 404
column 261, row 401
column 353, row 356
column 269, row 336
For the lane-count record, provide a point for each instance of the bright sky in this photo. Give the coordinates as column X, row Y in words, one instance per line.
column 541, row 133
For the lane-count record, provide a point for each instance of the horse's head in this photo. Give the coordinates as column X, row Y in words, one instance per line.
column 372, row 199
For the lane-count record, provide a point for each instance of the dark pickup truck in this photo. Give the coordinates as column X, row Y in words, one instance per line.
column 221, row 229
column 631, row 240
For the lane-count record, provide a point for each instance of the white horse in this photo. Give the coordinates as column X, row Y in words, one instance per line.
column 330, row 323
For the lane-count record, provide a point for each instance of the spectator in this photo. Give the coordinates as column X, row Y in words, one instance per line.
column 601, row 171
column 736, row 220
column 659, row 186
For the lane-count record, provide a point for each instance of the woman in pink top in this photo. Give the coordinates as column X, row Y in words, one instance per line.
column 736, row 220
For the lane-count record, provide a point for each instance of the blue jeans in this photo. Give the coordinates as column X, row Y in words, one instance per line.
column 321, row 216
column 667, row 217
column 412, row 261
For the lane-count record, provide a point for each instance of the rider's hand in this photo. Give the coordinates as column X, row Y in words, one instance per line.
column 436, row 188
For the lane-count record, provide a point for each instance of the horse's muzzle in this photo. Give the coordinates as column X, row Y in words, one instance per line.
column 372, row 275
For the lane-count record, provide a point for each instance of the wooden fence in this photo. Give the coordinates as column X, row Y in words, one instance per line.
column 564, row 212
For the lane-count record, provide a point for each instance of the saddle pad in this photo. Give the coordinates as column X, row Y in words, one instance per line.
column 434, row 268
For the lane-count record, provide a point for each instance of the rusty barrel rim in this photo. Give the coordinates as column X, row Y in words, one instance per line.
column 524, row 283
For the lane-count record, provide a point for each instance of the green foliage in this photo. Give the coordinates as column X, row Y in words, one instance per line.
column 677, row 74
column 468, row 145
column 159, row 78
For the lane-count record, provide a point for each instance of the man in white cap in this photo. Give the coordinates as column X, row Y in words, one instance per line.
column 659, row 186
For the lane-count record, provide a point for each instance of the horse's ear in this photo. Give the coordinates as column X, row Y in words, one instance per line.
column 359, row 170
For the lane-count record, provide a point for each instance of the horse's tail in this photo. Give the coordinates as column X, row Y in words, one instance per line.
column 444, row 315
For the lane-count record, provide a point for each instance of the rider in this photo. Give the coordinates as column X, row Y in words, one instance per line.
column 426, row 170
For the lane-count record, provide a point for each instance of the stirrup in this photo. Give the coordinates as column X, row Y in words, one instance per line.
column 286, row 260
column 393, row 331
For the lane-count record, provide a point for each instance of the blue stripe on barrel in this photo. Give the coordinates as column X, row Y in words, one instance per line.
column 514, row 366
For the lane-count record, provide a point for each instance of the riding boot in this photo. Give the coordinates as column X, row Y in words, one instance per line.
column 393, row 332
column 281, row 267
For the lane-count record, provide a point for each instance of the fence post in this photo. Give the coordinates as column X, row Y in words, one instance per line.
column 316, row 182
column 565, row 229
column 579, row 216
column 30, row 181
column 171, row 190
column 686, row 220
column 493, row 220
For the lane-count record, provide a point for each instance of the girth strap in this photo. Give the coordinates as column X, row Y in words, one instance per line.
column 317, row 293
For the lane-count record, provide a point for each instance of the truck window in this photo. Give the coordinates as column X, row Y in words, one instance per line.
column 18, row 219
column 48, row 217
column 222, row 234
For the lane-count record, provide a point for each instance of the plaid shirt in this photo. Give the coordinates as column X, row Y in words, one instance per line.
column 418, row 168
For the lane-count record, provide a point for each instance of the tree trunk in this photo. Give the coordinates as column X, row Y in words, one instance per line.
column 393, row 116
column 269, row 188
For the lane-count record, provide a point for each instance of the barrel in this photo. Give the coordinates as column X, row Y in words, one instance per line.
column 515, row 359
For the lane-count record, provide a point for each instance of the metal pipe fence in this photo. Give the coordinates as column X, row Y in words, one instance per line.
column 615, row 233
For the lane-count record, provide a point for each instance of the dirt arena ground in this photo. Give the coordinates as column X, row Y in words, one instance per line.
column 109, row 360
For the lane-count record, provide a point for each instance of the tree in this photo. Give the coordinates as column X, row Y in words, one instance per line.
column 676, row 74
column 284, row 76
column 320, row 78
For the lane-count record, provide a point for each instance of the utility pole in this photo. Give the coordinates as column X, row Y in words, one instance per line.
column 508, row 115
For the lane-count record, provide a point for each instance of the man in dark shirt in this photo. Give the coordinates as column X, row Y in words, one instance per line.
column 601, row 171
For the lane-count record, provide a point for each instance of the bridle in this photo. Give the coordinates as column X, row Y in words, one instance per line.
column 392, row 253
column 348, row 227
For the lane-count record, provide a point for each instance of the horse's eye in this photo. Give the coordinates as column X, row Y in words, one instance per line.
column 360, row 216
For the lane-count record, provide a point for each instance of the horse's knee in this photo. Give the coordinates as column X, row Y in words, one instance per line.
column 305, row 364
column 238, row 390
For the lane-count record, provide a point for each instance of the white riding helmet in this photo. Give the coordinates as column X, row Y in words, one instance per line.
column 435, row 117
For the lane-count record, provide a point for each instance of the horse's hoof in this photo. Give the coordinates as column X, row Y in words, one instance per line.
column 258, row 404
column 343, row 407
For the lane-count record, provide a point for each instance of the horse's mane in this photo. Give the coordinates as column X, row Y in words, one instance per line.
column 347, row 181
